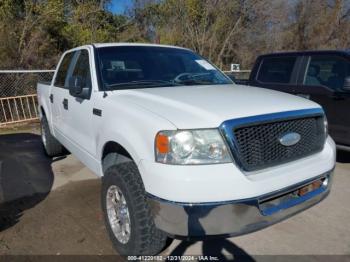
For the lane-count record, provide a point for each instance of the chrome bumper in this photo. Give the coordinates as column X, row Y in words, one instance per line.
column 232, row 218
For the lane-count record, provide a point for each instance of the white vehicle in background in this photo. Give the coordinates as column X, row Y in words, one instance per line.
column 182, row 151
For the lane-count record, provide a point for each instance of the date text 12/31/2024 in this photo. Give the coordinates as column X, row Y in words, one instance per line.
column 173, row 258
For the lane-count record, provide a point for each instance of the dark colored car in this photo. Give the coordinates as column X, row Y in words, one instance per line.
column 322, row 76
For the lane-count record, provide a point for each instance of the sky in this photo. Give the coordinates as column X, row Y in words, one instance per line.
column 119, row 6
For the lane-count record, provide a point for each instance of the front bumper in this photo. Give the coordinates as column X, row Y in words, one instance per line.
column 232, row 218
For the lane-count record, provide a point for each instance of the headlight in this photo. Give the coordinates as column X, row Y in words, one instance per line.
column 191, row 147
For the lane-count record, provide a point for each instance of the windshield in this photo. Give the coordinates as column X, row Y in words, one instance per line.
column 130, row 67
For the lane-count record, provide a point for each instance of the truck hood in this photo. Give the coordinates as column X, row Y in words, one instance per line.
column 208, row 106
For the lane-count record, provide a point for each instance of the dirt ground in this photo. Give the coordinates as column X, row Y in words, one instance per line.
column 53, row 207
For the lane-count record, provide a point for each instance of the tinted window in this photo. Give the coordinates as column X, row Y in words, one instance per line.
column 328, row 71
column 126, row 67
column 276, row 69
column 82, row 68
column 63, row 70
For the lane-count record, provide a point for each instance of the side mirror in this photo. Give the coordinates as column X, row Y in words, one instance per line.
column 77, row 89
column 346, row 86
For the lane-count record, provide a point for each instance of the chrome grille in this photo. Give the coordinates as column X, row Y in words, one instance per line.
column 256, row 145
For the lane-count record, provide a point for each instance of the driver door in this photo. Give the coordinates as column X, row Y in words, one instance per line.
column 78, row 116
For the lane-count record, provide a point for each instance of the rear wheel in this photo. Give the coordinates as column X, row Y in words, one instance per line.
column 127, row 214
column 51, row 145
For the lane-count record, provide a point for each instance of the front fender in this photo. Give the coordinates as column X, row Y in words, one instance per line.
column 134, row 129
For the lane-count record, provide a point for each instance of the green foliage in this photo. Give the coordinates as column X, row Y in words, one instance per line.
column 33, row 33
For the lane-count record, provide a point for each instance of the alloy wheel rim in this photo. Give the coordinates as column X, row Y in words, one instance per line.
column 118, row 214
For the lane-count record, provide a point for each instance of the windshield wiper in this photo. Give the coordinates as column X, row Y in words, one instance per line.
column 143, row 83
column 194, row 82
column 192, row 78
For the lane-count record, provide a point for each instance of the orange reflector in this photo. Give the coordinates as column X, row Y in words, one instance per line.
column 311, row 187
column 162, row 144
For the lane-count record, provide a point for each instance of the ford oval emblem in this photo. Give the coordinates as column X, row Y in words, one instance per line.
column 290, row 139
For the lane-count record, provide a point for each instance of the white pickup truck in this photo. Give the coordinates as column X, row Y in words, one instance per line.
column 182, row 151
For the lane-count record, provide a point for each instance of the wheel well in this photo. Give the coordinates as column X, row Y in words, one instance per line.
column 113, row 147
column 113, row 153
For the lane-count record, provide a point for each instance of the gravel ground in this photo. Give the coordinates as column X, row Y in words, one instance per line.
column 53, row 207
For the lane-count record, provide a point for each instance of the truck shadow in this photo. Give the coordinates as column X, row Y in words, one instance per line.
column 215, row 249
column 26, row 176
column 343, row 156
column 219, row 249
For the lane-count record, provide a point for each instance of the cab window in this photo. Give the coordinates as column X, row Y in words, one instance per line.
column 82, row 68
column 276, row 70
column 62, row 71
column 329, row 71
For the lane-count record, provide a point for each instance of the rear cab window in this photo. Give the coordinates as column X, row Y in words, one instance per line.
column 277, row 70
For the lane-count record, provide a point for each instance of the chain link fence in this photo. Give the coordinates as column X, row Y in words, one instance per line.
column 21, row 82
column 18, row 101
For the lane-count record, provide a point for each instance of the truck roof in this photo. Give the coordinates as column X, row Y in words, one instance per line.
column 98, row 45
column 310, row 52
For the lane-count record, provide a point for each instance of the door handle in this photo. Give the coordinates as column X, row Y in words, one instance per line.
column 51, row 98
column 65, row 103
column 97, row 112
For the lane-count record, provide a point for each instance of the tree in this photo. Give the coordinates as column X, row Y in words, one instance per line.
column 34, row 33
column 206, row 26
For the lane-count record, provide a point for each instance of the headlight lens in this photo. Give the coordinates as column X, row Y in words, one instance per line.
column 190, row 147
column 182, row 144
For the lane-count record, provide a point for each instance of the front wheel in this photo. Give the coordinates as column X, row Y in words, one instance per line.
column 127, row 214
